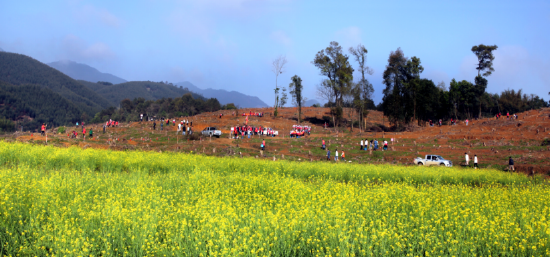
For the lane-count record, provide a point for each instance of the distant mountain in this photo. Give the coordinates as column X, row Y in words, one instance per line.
column 19, row 69
column 311, row 102
column 1, row 50
column 84, row 72
column 138, row 89
column 225, row 97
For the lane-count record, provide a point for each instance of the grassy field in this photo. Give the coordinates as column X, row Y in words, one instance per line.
column 75, row 202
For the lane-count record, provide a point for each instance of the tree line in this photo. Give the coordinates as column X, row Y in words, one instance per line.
column 185, row 105
column 407, row 97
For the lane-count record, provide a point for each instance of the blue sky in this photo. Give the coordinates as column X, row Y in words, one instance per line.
column 230, row 44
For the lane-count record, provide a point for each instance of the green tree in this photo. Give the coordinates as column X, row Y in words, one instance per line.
column 395, row 103
column 284, row 98
column 485, row 59
column 296, row 92
column 333, row 64
column 414, row 69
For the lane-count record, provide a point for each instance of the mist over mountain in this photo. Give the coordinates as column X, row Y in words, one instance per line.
column 84, row 72
column 312, row 102
column 138, row 89
column 225, row 97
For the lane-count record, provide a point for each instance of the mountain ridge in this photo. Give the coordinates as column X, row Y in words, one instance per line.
column 226, row 97
column 17, row 69
column 84, row 72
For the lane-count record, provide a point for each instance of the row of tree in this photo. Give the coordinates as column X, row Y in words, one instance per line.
column 407, row 97
column 185, row 105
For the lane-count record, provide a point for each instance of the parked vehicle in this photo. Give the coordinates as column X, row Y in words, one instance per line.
column 211, row 131
column 433, row 160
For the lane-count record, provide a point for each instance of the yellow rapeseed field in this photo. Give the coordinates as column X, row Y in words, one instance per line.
column 74, row 202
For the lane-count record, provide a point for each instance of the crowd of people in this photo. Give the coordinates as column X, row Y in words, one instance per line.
column 258, row 114
column 247, row 130
column 300, row 130
column 456, row 121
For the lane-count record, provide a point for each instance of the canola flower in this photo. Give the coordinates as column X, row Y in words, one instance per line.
column 73, row 202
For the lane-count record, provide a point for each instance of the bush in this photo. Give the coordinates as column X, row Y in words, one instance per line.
column 7, row 125
column 546, row 142
column 61, row 129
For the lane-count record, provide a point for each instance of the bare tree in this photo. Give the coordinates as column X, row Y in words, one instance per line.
column 364, row 88
column 278, row 68
column 441, row 86
column 325, row 91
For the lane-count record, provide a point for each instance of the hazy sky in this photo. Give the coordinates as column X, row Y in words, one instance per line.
column 230, row 44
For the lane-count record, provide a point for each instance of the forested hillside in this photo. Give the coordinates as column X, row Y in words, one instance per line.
column 32, row 105
column 138, row 89
column 19, row 69
column 185, row 105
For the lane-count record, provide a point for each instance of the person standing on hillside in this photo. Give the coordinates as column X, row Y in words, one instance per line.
column 154, row 125
column 104, row 127
column 183, row 129
column 323, row 146
column 343, row 156
column 467, row 158
column 511, row 164
column 161, row 125
column 475, row 161
column 263, row 144
column 328, row 154
column 43, row 129
column 336, row 155
column 140, row 118
column 91, row 132
column 362, row 148
column 84, row 132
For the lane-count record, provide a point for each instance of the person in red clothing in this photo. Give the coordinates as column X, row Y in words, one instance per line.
column 43, row 129
column 263, row 144
column 84, row 131
column 323, row 146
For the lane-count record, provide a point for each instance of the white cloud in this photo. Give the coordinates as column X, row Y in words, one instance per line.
column 281, row 37
column 179, row 74
column 349, row 36
column 515, row 68
column 89, row 13
column 77, row 49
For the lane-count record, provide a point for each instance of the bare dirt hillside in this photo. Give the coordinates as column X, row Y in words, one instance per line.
column 492, row 140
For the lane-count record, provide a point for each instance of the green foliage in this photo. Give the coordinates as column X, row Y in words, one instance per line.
column 229, row 106
column 61, row 129
column 333, row 64
column 296, row 92
column 397, row 102
column 545, row 142
column 163, row 108
column 32, row 105
column 485, row 59
column 18, row 69
column 6, row 125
